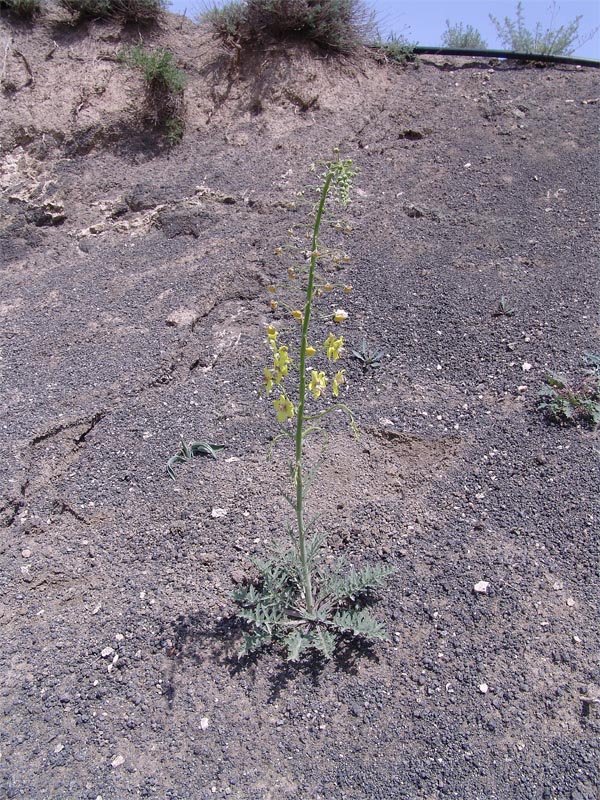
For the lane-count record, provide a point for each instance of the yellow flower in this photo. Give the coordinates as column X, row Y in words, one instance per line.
column 317, row 384
column 328, row 287
column 281, row 361
column 339, row 315
column 291, row 274
column 271, row 289
column 347, row 289
column 284, row 408
column 272, row 336
column 338, row 380
column 333, row 346
column 346, row 259
column 310, row 350
column 268, row 380
column 297, row 315
column 278, row 251
column 273, row 305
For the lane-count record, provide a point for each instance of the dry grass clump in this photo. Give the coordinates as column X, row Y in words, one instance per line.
column 140, row 11
column 24, row 9
column 338, row 25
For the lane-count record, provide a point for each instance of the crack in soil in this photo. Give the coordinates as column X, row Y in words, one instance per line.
column 91, row 423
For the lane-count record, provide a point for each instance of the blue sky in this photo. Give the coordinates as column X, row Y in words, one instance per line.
column 424, row 21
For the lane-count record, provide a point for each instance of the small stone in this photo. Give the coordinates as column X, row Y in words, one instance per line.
column 182, row 318
column 119, row 637
column 481, row 587
column 26, row 553
column 218, row 512
column 483, row 688
column 558, row 586
column 570, row 602
column 238, row 576
column 108, row 651
column 526, row 366
column 59, row 748
column 116, row 762
column 204, row 723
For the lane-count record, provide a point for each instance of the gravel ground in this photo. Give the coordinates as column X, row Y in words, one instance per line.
column 133, row 306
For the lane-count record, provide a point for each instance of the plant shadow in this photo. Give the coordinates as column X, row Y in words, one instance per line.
column 204, row 640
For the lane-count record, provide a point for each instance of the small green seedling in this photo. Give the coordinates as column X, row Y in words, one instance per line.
column 188, row 451
column 573, row 402
column 503, row 309
column 368, row 358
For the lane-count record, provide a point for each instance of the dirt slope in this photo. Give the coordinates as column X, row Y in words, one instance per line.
column 133, row 303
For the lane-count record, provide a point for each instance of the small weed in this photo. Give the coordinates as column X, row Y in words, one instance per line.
column 165, row 84
column 139, row 11
column 394, row 48
column 174, row 127
column 465, row 38
column 24, row 9
column 503, row 309
column 188, row 451
column 573, row 402
column 338, row 25
column 226, row 21
column 368, row 359
column 87, row 9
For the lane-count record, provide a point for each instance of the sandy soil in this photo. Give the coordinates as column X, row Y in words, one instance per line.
column 133, row 307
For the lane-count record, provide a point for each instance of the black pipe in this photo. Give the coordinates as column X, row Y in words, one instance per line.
column 539, row 57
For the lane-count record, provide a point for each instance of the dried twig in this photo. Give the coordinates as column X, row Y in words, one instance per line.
column 27, row 67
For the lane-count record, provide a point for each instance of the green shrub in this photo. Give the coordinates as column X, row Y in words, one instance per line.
column 144, row 11
column 551, row 41
column 164, row 87
column 339, row 25
column 394, row 48
column 25, row 9
column 466, row 38
column 88, row 9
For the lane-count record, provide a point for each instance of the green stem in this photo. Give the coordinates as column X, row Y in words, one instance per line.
column 306, row 579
